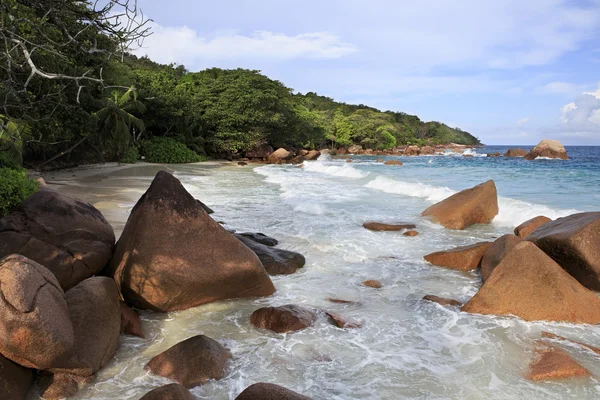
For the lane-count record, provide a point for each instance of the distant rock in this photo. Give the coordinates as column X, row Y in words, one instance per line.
column 381, row 226
column 282, row 319
column 349, row 160
column 373, row 283
column 496, row 154
column 355, row 149
column 393, row 162
column 551, row 363
column 192, row 362
column 69, row 237
column 549, row 149
column 478, row 205
column 380, row 160
column 527, row 227
column 173, row 391
column 275, row 261
column 411, row 151
column 442, row 301
column 312, row 155
column 496, row 252
column 172, row 255
column 574, row 243
column 515, row 153
column 530, row 285
column 36, row 331
column 463, row 258
column 280, row 155
column 269, row 391
column 260, row 238
column 426, row 150
column 262, row 152
column 15, row 380
column 242, row 163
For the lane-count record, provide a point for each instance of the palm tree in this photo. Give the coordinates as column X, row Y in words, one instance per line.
column 117, row 127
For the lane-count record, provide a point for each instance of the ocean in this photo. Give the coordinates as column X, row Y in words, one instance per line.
column 407, row 348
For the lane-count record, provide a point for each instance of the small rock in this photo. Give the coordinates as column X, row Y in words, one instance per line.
column 275, row 261
column 442, row 301
column 411, row 233
column 260, row 238
column 527, row 227
column 380, row 226
column 348, row 161
column 515, row 153
column 373, row 283
column 288, row 318
column 549, row 335
column 342, row 301
column 463, row 258
column 312, row 155
column 392, row 162
column 173, row 391
column 340, row 322
column 242, row 163
column 269, row 391
column 551, row 363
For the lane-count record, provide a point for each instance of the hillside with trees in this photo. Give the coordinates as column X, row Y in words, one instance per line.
column 72, row 93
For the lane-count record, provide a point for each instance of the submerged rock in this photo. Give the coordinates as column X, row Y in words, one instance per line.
column 527, row 227
column 15, row 380
column 496, row 252
column 275, row 261
column 340, row 321
column 478, row 205
column 551, row 363
column 381, row 226
column 173, row 391
column 172, row 255
column 35, row 328
column 549, row 335
column 442, row 301
column 574, row 243
column 282, row 319
column 373, row 283
column 411, row 233
column 530, row 285
column 192, row 362
column 463, row 258
column 515, row 153
column 69, row 237
column 392, row 162
column 269, row 391
column 549, row 149
column 261, row 238
column 342, row 301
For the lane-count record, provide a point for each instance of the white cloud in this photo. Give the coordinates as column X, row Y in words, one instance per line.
column 183, row 45
column 581, row 118
column 561, row 88
column 523, row 121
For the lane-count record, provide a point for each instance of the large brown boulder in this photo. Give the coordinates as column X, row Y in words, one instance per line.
column 548, row 148
column 280, row 155
column 496, row 252
column 530, row 285
column 69, row 237
column 275, row 261
column 172, row 255
column 35, row 328
column 515, row 153
column 192, row 362
column 478, row 205
column 527, row 227
column 574, row 243
column 463, row 258
column 15, row 380
column 551, row 363
column 312, row 155
column 269, row 391
column 286, row 318
column 173, row 391
column 96, row 315
column 381, row 226
column 262, row 151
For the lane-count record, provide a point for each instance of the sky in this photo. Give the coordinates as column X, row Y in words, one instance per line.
column 507, row 71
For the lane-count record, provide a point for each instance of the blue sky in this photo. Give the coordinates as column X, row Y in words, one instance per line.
column 508, row 71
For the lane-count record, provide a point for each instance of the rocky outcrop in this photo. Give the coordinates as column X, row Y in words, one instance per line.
column 463, row 258
column 496, row 252
column 392, row 162
column 527, row 227
column 260, row 238
column 15, row 380
column 131, row 324
column 515, row 153
column 269, row 391
column 275, row 261
column 551, row 363
column 173, row 391
column 95, row 312
column 411, row 151
column 530, row 285
column 312, row 155
column 478, row 205
column 280, row 155
column 282, row 319
column 172, row 255
column 355, row 149
column 381, row 226
column 426, row 150
column 33, row 314
column 442, row 301
column 262, row 152
column 69, row 237
column 192, row 362
column 574, row 243
column 549, row 149
column 373, row 283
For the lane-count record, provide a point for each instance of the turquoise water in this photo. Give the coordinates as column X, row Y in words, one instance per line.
column 406, row 348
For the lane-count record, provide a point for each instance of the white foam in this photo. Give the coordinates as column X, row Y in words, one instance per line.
column 345, row 171
column 412, row 189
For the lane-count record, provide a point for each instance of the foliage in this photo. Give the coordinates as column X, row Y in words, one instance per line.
column 11, row 142
column 131, row 155
column 15, row 187
column 168, row 151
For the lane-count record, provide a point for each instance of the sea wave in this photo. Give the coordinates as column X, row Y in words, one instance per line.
column 511, row 213
column 345, row 171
